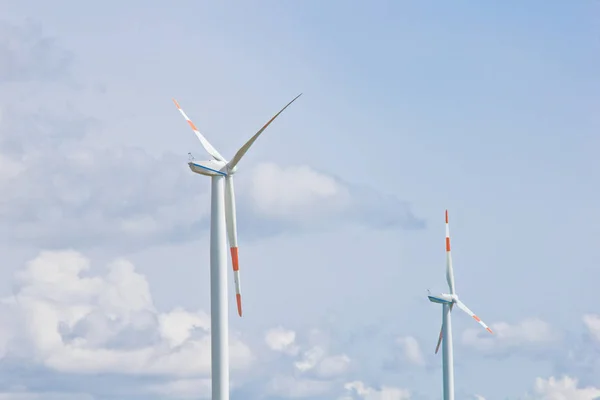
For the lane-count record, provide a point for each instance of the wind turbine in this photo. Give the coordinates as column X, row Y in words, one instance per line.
column 222, row 219
column 448, row 301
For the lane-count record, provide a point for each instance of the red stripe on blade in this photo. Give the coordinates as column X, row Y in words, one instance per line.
column 234, row 258
column 238, row 298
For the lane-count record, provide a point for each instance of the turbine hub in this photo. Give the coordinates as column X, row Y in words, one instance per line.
column 231, row 170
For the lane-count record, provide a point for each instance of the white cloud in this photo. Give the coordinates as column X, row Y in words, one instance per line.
column 176, row 326
column 358, row 389
column 333, row 366
column 143, row 205
column 184, row 389
column 531, row 332
column 315, row 372
column 297, row 387
column 304, row 197
column 283, row 340
column 44, row 396
column 74, row 323
column 592, row 323
column 310, row 358
column 296, row 192
column 315, row 359
column 157, row 199
column 565, row 388
column 412, row 350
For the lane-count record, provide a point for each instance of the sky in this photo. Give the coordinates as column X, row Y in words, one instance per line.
column 487, row 109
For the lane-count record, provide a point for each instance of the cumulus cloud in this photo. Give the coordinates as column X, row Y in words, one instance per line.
column 102, row 197
column 67, row 320
column 183, row 389
column 592, row 323
column 315, row 371
column 126, row 197
column 71, row 322
column 565, row 388
column 529, row 334
column 582, row 355
column 302, row 196
column 298, row 387
column 358, row 390
column 411, row 350
column 296, row 192
column 44, row 396
column 316, row 360
column 403, row 354
column 283, row 340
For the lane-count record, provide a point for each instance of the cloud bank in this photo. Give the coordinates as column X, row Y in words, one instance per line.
column 67, row 193
column 65, row 320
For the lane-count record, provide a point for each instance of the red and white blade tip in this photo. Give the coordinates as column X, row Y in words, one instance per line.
column 189, row 121
column 236, row 277
column 447, row 234
column 238, row 298
column 487, row 328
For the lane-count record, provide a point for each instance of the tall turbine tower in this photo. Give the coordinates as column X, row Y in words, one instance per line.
column 222, row 219
column 448, row 301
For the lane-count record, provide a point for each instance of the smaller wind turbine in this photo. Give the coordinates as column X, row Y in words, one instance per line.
column 448, row 301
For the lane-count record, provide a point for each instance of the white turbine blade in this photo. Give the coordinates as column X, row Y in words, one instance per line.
column 440, row 339
column 466, row 309
column 240, row 153
column 230, row 218
column 442, row 333
column 207, row 146
column 449, row 270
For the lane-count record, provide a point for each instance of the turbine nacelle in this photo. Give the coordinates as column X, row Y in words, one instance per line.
column 443, row 298
column 209, row 168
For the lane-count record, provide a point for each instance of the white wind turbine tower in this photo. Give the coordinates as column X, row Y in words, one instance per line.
column 448, row 301
column 222, row 218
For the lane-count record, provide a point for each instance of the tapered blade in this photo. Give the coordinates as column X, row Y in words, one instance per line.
column 240, row 153
column 466, row 309
column 442, row 333
column 230, row 218
column 449, row 270
column 207, row 146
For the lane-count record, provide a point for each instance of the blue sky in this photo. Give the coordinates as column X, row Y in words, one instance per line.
column 409, row 108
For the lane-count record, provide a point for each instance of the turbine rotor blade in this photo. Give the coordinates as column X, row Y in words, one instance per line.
column 230, row 218
column 449, row 270
column 442, row 333
column 240, row 153
column 466, row 309
column 205, row 143
column 440, row 339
